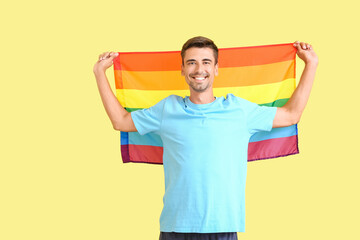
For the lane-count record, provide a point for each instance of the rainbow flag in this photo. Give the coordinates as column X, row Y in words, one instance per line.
column 261, row 74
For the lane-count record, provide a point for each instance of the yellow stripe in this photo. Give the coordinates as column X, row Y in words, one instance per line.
column 258, row 94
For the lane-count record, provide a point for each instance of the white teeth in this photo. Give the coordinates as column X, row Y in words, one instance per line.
column 200, row 78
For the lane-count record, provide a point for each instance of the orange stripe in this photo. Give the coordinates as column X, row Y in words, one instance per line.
column 228, row 77
column 228, row 57
column 149, row 61
column 119, row 83
column 257, row 55
column 159, row 80
column 255, row 75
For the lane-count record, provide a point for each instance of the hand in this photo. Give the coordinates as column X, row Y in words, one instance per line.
column 105, row 61
column 306, row 52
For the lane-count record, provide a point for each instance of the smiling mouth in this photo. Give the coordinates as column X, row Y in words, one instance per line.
column 199, row 79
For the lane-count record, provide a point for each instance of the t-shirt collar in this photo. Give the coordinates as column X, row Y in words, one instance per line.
column 199, row 106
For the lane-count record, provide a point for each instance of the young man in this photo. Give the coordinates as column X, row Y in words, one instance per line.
column 205, row 141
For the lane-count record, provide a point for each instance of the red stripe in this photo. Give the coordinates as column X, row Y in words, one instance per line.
column 125, row 153
column 145, row 154
column 228, row 57
column 272, row 148
column 119, row 84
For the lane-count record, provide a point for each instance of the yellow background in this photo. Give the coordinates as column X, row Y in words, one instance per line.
column 61, row 175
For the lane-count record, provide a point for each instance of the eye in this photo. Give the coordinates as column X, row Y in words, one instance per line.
column 206, row 62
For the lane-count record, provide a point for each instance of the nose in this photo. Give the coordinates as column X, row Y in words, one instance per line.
column 199, row 68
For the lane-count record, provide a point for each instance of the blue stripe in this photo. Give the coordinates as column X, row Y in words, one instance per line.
column 275, row 133
column 150, row 139
column 124, row 138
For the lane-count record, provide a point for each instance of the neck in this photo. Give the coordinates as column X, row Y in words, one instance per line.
column 202, row 98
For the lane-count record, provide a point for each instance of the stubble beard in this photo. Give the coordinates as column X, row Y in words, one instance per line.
column 198, row 87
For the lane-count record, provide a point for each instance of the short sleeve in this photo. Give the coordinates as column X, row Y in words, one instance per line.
column 148, row 119
column 259, row 118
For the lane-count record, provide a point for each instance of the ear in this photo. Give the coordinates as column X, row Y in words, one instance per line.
column 182, row 70
column 217, row 69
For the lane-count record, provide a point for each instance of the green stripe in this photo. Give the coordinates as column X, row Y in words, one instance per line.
column 277, row 103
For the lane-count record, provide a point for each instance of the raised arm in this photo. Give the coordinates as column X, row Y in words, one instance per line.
column 120, row 118
column 291, row 112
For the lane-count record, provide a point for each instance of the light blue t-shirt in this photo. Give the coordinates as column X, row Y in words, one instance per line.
column 204, row 159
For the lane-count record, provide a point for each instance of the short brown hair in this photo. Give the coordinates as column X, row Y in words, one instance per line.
column 199, row 42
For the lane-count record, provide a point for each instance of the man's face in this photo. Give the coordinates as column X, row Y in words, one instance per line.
column 199, row 68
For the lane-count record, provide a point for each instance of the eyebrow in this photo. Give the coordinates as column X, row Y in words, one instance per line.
column 204, row 60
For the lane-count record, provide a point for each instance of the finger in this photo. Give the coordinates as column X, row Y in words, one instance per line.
column 114, row 55
column 107, row 55
column 303, row 45
column 101, row 56
column 297, row 45
column 110, row 55
column 104, row 56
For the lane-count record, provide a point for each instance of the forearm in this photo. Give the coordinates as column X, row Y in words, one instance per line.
column 112, row 106
column 299, row 98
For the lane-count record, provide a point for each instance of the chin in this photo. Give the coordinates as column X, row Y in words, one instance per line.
column 200, row 89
